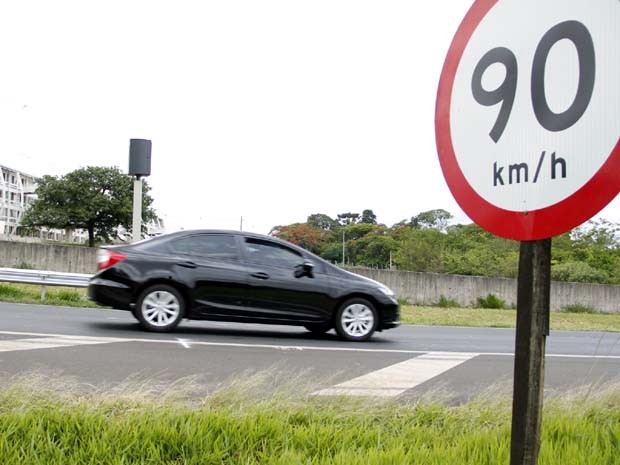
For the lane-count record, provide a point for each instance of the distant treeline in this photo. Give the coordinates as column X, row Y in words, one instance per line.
column 430, row 242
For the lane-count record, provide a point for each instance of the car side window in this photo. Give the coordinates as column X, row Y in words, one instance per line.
column 214, row 246
column 270, row 253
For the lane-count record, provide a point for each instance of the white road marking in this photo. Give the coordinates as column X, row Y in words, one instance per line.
column 294, row 347
column 396, row 379
column 51, row 342
column 183, row 342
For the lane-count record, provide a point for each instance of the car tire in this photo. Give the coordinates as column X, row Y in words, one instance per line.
column 318, row 328
column 160, row 308
column 356, row 320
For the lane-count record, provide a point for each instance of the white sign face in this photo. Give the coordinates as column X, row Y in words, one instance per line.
column 533, row 108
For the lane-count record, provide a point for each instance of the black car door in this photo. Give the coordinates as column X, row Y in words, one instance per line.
column 276, row 292
column 210, row 266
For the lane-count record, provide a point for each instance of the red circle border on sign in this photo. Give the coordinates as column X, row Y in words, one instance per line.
column 537, row 224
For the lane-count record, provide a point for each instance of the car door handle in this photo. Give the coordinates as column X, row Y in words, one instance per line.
column 260, row 275
column 187, row 264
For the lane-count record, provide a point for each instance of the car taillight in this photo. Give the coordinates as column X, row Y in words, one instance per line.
column 107, row 258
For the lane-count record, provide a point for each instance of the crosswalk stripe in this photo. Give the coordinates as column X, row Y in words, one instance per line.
column 396, row 379
column 51, row 342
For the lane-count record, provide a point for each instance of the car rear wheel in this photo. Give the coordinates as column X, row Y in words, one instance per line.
column 318, row 328
column 160, row 308
column 356, row 320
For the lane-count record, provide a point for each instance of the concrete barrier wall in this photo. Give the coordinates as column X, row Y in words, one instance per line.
column 48, row 257
column 428, row 288
column 417, row 288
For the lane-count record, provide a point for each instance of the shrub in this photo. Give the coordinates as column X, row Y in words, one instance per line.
column 578, row 308
column 578, row 272
column 24, row 266
column 402, row 301
column 491, row 301
column 444, row 302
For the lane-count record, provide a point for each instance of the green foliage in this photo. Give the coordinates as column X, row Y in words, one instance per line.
column 427, row 243
column 69, row 295
column 432, row 219
column 368, row 217
column 578, row 308
column 24, row 266
column 491, row 301
column 578, row 272
column 444, row 302
column 31, row 294
column 97, row 199
column 345, row 219
column 420, row 250
column 322, row 221
column 10, row 292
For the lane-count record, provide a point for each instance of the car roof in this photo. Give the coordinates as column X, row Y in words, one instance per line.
column 189, row 232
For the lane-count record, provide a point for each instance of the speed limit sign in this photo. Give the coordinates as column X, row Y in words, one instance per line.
column 528, row 114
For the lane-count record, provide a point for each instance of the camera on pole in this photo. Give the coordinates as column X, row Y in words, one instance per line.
column 139, row 165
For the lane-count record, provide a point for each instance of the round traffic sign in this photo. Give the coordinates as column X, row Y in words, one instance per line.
column 528, row 114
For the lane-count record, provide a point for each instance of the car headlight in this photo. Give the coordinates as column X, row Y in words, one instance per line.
column 387, row 291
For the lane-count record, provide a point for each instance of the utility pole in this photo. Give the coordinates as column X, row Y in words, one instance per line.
column 241, row 224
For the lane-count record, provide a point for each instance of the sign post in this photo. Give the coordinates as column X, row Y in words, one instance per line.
column 532, row 330
column 527, row 125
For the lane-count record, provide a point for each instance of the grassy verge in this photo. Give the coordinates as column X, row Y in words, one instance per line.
column 38, row 426
column 436, row 316
column 54, row 295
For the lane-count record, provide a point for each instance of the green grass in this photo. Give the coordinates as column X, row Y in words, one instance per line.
column 31, row 294
column 505, row 318
column 236, row 426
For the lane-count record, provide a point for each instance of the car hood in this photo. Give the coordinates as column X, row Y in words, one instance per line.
column 361, row 278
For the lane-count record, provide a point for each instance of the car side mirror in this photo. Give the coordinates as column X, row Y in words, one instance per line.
column 305, row 269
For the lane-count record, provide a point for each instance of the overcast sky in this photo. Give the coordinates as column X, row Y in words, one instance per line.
column 266, row 110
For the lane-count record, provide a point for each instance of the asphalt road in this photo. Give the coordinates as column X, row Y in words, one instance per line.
column 107, row 347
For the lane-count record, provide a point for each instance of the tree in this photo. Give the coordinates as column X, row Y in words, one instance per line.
column 373, row 250
column 368, row 217
column 432, row 219
column 322, row 221
column 301, row 234
column 345, row 219
column 98, row 199
column 420, row 250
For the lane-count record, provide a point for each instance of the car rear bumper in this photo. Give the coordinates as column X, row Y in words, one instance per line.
column 109, row 293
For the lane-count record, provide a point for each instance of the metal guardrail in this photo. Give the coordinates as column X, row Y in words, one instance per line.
column 43, row 278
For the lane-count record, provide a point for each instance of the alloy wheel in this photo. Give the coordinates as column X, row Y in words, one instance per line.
column 160, row 308
column 357, row 320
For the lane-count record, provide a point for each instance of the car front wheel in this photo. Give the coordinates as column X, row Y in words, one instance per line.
column 356, row 320
column 160, row 308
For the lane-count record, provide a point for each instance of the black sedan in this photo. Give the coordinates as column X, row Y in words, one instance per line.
column 241, row 277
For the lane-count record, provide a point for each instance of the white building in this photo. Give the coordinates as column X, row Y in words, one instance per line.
column 16, row 190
